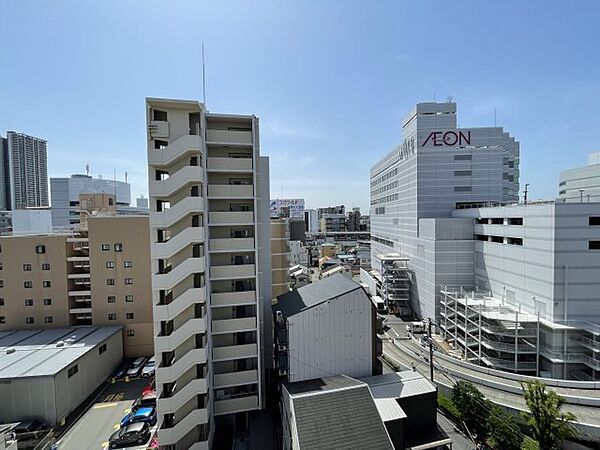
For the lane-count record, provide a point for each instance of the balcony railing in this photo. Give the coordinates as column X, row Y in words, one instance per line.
column 231, row 244
column 222, row 380
column 232, row 298
column 233, row 325
column 233, row 405
column 231, row 217
column 229, row 164
column 229, row 137
column 230, row 191
column 233, row 271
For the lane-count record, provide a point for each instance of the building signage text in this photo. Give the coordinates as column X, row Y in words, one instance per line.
column 448, row 138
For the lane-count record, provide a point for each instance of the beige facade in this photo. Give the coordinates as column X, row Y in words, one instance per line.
column 280, row 263
column 61, row 280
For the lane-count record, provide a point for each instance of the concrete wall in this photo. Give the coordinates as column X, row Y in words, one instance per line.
column 332, row 338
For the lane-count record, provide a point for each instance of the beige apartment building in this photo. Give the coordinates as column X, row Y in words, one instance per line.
column 280, row 260
column 97, row 276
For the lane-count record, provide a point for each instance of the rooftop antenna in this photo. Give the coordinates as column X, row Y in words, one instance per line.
column 87, row 169
column 494, row 117
column 125, row 176
column 433, row 96
column 203, row 76
column 450, row 98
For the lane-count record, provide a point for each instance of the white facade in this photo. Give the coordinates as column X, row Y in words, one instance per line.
column 298, row 253
column 311, row 218
column 436, row 168
column 31, row 221
column 581, row 184
column 211, row 260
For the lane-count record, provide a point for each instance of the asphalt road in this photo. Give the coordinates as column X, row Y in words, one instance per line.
column 94, row 428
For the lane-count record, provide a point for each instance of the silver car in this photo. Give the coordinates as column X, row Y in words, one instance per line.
column 136, row 367
column 149, row 368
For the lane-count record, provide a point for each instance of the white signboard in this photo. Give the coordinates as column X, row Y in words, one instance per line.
column 295, row 205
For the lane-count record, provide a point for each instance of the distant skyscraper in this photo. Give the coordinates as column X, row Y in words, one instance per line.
column 4, row 175
column 27, row 175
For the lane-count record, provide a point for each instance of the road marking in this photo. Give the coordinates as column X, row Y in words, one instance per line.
column 105, row 444
column 116, row 426
column 127, row 410
column 104, row 405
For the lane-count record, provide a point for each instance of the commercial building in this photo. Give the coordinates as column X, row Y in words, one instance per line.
column 211, row 265
column 435, row 169
column 31, row 221
column 393, row 411
column 23, row 172
column 287, row 208
column 98, row 276
column 581, row 184
column 311, row 220
column 46, row 374
column 141, row 202
column 280, row 256
column 326, row 328
column 353, row 221
column 65, row 194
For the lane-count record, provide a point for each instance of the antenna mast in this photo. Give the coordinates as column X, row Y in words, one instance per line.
column 203, row 76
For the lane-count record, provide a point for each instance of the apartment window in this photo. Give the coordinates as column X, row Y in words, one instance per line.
column 497, row 239
column 594, row 245
column 39, row 249
column 159, row 116
column 29, row 302
column 1, row 302
column 110, row 201
column 27, row 284
column 462, row 157
column 161, row 175
column 194, row 161
column 101, row 349
column 128, row 264
column 130, row 333
column 2, row 319
column 46, row 266
column 462, row 173
column 1, row 283
column 594, row 221
column 0, row 266
column 110, row 264
column 110, row 281
column 112, row 299
column 48, row 319
column 462, row 188
column 118, row 247
column 195, row 220
column 159, row 145
column 128, row 280
column 514, row 241
column 194, row 192
column 515, row 221
column 46, row 284
column 29, row 320
column 26, row 267
column 129, row 298
column 497, row 221
column 72, row 370
column 105, row 247
column 129, row 316
column 112, row 316
column 47, row 302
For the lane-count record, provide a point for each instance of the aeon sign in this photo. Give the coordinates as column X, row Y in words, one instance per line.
column 448, row 138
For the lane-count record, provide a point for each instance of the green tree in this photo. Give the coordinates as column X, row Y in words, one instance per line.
column 549, row 424
column 472, row 406
column 503, row 430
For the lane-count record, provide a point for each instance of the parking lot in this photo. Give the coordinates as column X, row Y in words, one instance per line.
column 94, row 427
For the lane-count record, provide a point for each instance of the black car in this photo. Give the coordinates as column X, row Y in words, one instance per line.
column 133, row 434
column 121, row 369
column 28, row 426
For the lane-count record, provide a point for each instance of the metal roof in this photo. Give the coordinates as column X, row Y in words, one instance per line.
column 34, row 353
column 295, row 301
column 398, row 385
column 389, row 409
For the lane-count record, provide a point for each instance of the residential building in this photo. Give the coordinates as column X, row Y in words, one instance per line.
column 211, row 265
column 98, row 276
column 4, row 175
column 297, row 229
column 66, row 192
column 5, row 222
column 298, row 253
column 392, row 411
column 141, row 202
column 47, row 374
column 435, row 169
column 287, row 208
column 326, row 327
column 581, row 184
column 26, row 180
column 353, row 221
column 311, row 220
column 280, row 256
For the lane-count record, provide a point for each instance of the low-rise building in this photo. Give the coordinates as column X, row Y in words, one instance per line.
column 581, row 184
column 46, row 374
column 280, row 251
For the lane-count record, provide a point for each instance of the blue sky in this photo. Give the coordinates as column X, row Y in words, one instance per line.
column 329, row 80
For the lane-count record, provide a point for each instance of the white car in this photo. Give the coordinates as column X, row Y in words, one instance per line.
column 149, row 368
column 136, row 367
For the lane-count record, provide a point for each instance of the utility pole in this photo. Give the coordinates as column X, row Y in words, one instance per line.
column 581, row 195
column 526, row 191
column 430, row 352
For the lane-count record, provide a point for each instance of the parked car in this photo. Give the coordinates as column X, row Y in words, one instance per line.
column 149, row 368
column 29, row 426
column 136, row 367
column 153, row 445
column 132, row 434
column 150, row 389
column 121, row 369
column 144, row 414
column 145, row 401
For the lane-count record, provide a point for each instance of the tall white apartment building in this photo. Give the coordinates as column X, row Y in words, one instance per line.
column 211, row 261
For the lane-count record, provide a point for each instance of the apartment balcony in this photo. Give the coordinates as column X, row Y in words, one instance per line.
column 79, row 259
column 181, row 334
column 231, row 218
column 232, row 271
column 223, row 380
column 181, row 365
column 590, row 343
column 81, row 277
column 227, row 137
column 231, row 245
column 233, row 325
column 80, row 293
column 219, row 164
column 178, row 274
column 181, row 396
column 175, row 150
column 177, row 243
column 234, row 405
column 80, row 311
column 181, row 178
column 165, row 219
column 232, row 298
column 230, row 191
column 235, row 352
column 180, row 304
column 170, row 436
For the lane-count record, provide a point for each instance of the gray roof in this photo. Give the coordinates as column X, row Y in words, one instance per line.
column 398, row 384
column 293, row 302
column 337, row 413
column 36, row 354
